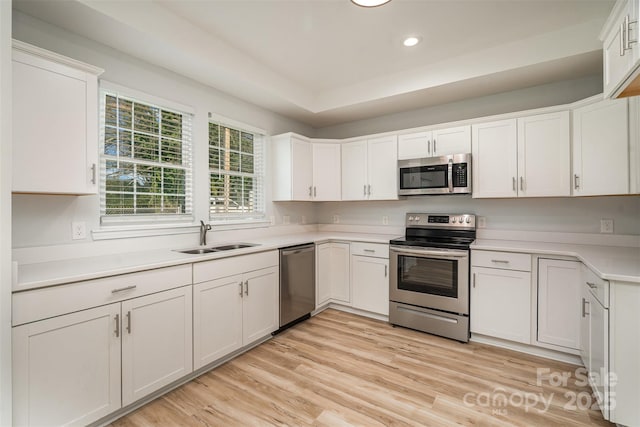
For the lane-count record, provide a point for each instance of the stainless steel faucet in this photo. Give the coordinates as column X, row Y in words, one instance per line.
column 203, row 232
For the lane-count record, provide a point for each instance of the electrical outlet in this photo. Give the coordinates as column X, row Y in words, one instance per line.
column 78, row 230
column 336, row 219
column 303, row 220
column 606, row 226
column 286, row 219
column 482, row 222
column 385, row 220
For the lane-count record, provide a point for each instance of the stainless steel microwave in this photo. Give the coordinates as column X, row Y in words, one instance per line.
column 449, row 174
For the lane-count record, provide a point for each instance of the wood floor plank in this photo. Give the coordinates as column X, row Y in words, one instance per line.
column 340, row 369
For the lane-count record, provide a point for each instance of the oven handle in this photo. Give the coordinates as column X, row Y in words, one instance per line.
column 429, row 252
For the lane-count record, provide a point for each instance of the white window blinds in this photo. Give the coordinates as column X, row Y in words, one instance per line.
column 146, row 160
column 236, row 170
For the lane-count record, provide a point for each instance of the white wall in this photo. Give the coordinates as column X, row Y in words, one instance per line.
column 46, row 220
column 572, row 215
column 558, row 93
column 5, row 213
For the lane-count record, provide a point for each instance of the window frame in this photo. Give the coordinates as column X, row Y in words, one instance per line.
column 259, row 215
column 188, row 117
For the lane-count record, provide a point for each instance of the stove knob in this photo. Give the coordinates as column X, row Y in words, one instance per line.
column 453, row 220
column 417, row 218
column 460, row 220
column 410, row 218
column 468, row 220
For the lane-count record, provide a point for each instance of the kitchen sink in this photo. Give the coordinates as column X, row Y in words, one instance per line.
column 221, row 248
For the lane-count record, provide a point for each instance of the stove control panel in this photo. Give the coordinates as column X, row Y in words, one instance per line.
column 453, row 221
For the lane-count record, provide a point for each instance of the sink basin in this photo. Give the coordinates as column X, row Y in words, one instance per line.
column 221, row 248
column 198, row 251
column 233, row 246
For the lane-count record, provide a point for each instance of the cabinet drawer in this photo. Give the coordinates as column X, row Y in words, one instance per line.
column 38, row 304
column 378, row 250
column 216, row 269
column 503, row 260
column 597, row 286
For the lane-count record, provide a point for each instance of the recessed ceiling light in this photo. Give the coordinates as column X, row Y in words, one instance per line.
column 370, row 3
column 411, row 41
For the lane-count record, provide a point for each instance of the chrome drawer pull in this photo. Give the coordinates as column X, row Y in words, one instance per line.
column 592, row 285
column 128, row 288
column 501, row 261
column 370, row 251
column 240, row 289
column 129, row 322
column 117, row 331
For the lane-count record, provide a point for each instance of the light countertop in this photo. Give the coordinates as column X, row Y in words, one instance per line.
column 37, row 275
column 608, row 262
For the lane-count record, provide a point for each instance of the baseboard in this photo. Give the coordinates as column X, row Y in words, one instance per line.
column 528, row 349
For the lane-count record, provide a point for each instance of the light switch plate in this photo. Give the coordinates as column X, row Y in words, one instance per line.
column 606, row 225
column 78, row 230
column 336, row 219
column 482, row 222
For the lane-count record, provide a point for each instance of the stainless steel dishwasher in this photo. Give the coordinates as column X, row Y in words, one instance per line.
column 297, row 284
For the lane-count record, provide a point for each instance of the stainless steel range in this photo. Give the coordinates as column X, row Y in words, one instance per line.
column 429, row 283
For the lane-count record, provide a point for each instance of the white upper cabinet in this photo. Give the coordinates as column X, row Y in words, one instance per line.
column 55, row 123
column 439, row 142
column 495, row 159
column 525, row 157
column 303, row 170
column 370, row 169
column 601, row 148
column 544, row 155
column 621, row 52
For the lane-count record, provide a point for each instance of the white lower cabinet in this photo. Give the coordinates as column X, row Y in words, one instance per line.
column 76, row 368
column 559, row 303
column 156, row 342
column 66, row 370
column 332, row 273
column 370, row 277
column 235, row 307
column 501, row 297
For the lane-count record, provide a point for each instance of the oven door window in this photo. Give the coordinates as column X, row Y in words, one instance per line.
column 428, row 275
column 424, row 177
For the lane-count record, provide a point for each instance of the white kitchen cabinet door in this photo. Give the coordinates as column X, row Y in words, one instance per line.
column 618, row 60
column 354, row 170
column 456, row 140
column 260, row 314
column 559, row 308
column 66, row 370
column 333, row 273
column 302, row 169
column 326, row 172
column 585, row 340
column 601, row 149
column 324, row 273
column 495, row 159
column 370, row 281
column 414, row 145
column 501, row 304
column 217, row 319
column 599, row 350
column 156, row 342
column 383, row 168
column 55, row 129
column 544, row 155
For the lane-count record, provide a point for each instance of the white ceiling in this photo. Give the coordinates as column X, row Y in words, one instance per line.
column 325, row 62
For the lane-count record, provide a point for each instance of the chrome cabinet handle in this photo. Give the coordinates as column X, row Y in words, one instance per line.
column 310, row 188
column 385, row 270
column 240, row 289
column 246, row 287
column 117, row 331
column 129, row 322
column 501, row 261
column 627, row 42
column 585, row 303
column 364, row 190
column 434, row 146
column 428, row 146
column 369, row 190
column 521, row 184
column 513, row 181
column 576, row 183
column 127, row 288
column 315, row 193
column 369, row 250
column 592, row 285
column 93, row 173
column 473, row 280
column 622, row 39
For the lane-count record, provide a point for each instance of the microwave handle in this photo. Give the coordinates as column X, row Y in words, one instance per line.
column 450, row 175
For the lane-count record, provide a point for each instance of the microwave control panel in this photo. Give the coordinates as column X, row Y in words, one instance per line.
column 460, row 175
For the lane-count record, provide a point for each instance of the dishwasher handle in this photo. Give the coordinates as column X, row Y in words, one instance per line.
column 297, row 250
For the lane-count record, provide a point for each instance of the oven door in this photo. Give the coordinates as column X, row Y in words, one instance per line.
column 429, row 277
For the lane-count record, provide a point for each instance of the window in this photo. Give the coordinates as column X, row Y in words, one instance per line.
column 236, row 174
column 146, row 160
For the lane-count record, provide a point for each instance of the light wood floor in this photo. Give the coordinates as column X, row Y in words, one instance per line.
column 339, row 369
